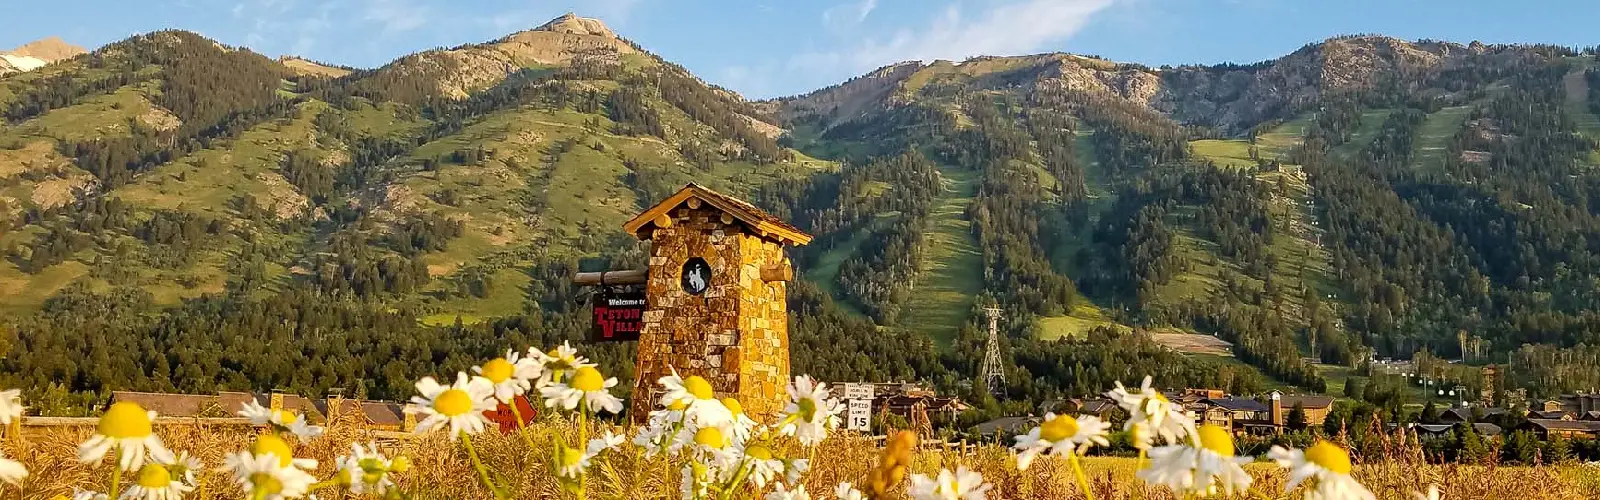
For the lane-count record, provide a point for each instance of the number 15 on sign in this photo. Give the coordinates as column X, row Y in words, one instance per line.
column 860, row 415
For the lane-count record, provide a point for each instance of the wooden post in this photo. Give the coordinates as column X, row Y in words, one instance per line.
column 625, row 277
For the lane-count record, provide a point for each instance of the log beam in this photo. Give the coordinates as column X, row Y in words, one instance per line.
column 777, row 273
column 623, row 277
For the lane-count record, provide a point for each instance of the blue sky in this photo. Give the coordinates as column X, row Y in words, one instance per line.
column 767, row 48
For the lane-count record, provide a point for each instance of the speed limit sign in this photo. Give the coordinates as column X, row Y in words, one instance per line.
column 859, row 403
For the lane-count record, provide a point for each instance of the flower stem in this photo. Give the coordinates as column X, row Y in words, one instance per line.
column 1083, row 479
column 522, row 429
column 728, row 489
column 483, row 474
column 583, row 446
column 321, row 485
column 116, row 472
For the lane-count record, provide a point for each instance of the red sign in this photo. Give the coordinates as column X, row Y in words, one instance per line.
column 618, row 313
column 506, row 419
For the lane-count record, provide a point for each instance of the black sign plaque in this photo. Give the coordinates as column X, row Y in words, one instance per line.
column 696, row 276
column 618, row 313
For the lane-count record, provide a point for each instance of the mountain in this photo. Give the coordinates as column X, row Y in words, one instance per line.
column 36, row 54
column 1362, row 196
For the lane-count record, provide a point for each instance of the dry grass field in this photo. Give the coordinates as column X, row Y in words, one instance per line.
column 442, row 471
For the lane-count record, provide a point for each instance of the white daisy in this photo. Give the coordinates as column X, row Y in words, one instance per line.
column 156, row 482
column 12, row 471
column 78, row 494
column 1203, row 471
column 708, row 445
column 740, row 424
column 1061, row 435
column 1432, row 494
column 510, row 376
column 605, row 442
column 963, row 484
column 794, row 468
column 269, row 468
column 460, row 405
column 782, row 493
column 557, row 363
column 589, row 387
column 573, row 462
column 1151, row 415
column 847, row 491
column 701, row 406
column 127, row 428
column 184, row 465
column 693, row 484
column 763, row 467
column 11, row 406
column 659, row 430
column 365, row 470
column 280, row 420
column 810, row 413
column 1328, row 464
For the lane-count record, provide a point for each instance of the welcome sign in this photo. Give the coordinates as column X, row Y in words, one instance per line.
column 618, row 313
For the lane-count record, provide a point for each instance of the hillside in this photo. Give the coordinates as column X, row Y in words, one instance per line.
column 1363, row 196
column 559, row 142
column 1210, row 199
column 36, row 54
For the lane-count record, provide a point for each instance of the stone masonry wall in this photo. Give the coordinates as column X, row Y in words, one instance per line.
column 764, row 316
column 735, row 335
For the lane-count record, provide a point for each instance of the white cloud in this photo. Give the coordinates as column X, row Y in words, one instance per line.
column 396, row 16
column 847, row 15
column 1011, row 28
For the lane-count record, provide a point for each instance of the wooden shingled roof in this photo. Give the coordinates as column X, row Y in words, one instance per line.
column 758, row 220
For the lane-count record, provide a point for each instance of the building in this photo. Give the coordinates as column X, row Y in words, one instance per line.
column 1316, row 408
column 1438, row 431
column 1577, row 404
column 1104, row 408
column 1238, row 414
column 1243, row 415
column 1460, row 415
column 1004, row 428
column 1571, row 429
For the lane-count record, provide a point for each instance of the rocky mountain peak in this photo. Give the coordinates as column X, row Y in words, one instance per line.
column 50, row 49
column 572, row 24
column 36, row 54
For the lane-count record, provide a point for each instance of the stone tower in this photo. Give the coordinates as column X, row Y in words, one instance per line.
column 717, row 299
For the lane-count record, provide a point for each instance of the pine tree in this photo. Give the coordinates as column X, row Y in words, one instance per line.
column 1297, row 417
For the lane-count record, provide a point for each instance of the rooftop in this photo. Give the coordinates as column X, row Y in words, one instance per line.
column 757, row 219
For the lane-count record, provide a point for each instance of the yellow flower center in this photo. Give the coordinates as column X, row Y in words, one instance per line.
column 1058, row 429
column 588, row 379
column 710, row 437
column 808, row 409
column 1216, row 439
column 154, row 476
column 1162, row 398
column 733, row 406
column 678, row 405
column 286, row 416
column 699, row 387
column 497, row 370
column 1329, row 456
column 266, row 483
column 453, row 403
column 268, row 443
column 571, row 456
column 559, row 362
column 124, row 420
column 400, row 464
column 758, row 452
